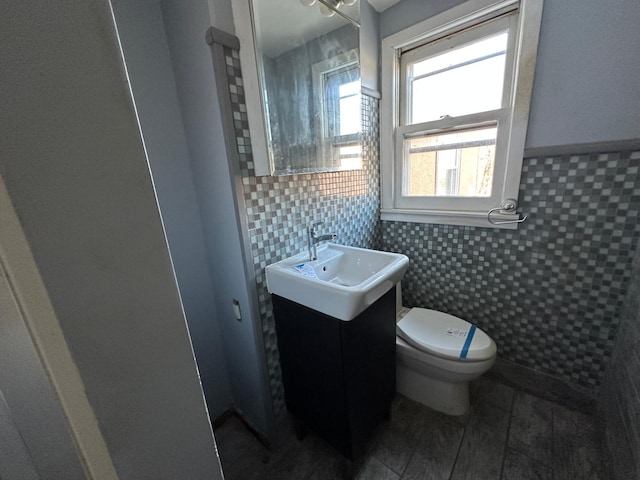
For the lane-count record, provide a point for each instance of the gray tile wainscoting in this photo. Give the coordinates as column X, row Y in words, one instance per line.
column 279, row 208
column 550, row 293
column 544, row 385
column 619, row 408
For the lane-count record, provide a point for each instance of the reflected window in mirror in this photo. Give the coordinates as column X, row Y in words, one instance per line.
column 337, row 93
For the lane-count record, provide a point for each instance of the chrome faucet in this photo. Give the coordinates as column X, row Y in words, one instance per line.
column 313, row 240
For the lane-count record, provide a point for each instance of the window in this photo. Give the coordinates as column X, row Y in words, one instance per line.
column 455, row 104
column 342, row 102
column 336, row 83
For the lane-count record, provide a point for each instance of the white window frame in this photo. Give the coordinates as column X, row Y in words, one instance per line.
column 512, row 120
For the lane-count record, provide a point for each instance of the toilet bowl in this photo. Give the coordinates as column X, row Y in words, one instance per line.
column 437, row 355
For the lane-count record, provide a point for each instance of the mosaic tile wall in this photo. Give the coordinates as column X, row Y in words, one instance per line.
column 550, row 293
column 619, row 409
column 279, row 208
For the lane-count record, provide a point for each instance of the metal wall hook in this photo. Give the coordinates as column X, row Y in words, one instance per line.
column 508, row 205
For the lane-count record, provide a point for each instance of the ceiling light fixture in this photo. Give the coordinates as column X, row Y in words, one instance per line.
column 329, row 8
column 329, row 12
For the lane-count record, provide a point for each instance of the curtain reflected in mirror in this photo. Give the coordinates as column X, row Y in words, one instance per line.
column 310, row 83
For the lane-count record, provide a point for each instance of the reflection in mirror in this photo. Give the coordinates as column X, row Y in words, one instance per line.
column 309, row 71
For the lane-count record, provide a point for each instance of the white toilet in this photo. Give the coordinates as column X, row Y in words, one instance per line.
column 437, row 355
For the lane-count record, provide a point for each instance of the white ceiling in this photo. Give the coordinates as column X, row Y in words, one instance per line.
column 382, row 5
column 284, row 24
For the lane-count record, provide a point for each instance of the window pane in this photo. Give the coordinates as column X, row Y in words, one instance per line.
column 458, row 164
column 350, row 157
column 466, row 80
column 351, row 88
column 349, row 108
column 342, row 101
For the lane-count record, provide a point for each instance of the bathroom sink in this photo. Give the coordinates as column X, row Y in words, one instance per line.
column 342, row 282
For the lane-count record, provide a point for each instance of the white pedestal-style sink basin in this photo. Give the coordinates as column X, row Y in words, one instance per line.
column 342, row 282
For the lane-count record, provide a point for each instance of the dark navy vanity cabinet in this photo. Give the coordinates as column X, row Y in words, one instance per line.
column 339, row 376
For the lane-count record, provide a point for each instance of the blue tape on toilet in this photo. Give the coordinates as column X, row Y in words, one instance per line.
column 467, row 342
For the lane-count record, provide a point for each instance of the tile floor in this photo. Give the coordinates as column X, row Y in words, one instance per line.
column 507, row 435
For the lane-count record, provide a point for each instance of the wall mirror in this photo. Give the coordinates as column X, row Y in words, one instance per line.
column 301, row 68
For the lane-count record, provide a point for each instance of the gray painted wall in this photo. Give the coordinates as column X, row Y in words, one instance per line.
column 186, row 23
column 15, row 459
column 77, row 174
column 409, row 12
column 31, row 417
column 146, row 52
column 369, row 46
column 221, row 15
column 586, row 84
column 586, row 88
column 619, row 411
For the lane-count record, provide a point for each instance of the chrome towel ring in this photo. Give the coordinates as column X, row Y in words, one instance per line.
column 508, row 205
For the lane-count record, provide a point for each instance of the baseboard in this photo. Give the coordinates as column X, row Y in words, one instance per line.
column 234, row 412
column 544, row 386
column 223, row 417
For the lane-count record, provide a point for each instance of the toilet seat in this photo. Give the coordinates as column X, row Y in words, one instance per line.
column 445, row 336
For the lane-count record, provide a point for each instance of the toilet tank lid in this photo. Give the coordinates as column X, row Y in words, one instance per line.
column 445, row 335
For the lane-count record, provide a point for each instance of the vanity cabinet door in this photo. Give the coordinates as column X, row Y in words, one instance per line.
column 311, row 362
column 369, row 365
column 339, row 376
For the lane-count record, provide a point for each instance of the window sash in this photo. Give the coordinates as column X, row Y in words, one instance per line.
column 439, row 46
column 498, row 118
column 331, row 111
